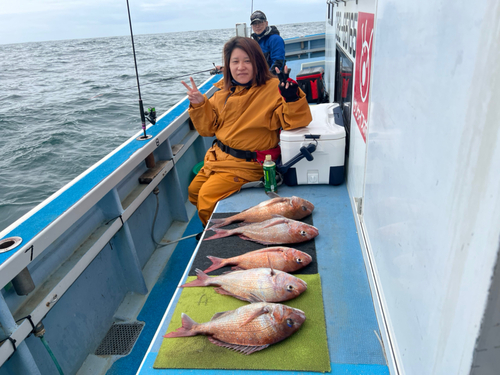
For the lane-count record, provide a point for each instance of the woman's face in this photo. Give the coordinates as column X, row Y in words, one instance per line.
column 241, row 66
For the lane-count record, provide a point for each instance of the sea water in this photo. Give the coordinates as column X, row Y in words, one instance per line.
column 66, row 104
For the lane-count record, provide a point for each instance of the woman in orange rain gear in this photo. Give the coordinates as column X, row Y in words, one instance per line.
column 245, row 115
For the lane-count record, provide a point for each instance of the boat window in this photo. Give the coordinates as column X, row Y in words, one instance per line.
column 343, row 85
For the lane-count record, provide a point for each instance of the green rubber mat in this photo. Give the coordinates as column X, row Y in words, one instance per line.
column 305, row 350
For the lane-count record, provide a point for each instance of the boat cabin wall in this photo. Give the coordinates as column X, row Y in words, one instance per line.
column 423, row 162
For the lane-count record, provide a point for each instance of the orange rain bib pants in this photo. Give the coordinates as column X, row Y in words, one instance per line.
column 205, row 192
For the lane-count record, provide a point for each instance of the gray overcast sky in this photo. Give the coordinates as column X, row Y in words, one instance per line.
column 41, row 20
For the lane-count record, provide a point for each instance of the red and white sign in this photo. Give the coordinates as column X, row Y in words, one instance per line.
column 363, row 71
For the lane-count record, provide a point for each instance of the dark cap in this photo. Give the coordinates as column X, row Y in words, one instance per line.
column 257, row 16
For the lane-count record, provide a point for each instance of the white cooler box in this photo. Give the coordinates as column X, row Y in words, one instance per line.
column 327, row 132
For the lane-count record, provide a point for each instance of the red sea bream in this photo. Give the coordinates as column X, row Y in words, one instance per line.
column 255, row 285
column 247, row 329
column 278, row 230
column 290, row 207
column 282, row 258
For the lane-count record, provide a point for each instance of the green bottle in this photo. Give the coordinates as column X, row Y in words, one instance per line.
column 270, row 175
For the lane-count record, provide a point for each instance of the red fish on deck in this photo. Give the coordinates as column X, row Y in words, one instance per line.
column 255, row 285
column 290, row 207
column 247, row 329
column 278, row 230
column 282, row 258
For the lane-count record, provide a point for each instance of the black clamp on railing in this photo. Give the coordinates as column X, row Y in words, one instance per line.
column 31, row 322
column 13, row 342
column 116, row 217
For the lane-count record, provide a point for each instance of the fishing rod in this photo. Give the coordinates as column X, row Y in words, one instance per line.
column 141, row 107
column 212, row 71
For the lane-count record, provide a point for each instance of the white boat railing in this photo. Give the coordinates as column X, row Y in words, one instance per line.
column 305, row 47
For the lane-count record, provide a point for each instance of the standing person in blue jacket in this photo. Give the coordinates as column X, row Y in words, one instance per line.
column 269, row 39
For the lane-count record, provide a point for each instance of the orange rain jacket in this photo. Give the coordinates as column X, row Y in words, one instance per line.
column 244, row 118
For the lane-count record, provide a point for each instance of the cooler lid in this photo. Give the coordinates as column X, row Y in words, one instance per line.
column 323, row 124
column 316, row 70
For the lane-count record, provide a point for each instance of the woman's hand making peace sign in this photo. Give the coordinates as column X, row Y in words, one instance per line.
column 289, row 89
column 194, row 95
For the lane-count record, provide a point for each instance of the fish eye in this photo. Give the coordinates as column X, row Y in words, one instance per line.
column 299, row 260
column 289, row 322
column 289, row 287
column 304, row 208
column 303, row 233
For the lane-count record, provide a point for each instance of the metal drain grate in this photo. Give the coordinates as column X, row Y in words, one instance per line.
column 120, row 339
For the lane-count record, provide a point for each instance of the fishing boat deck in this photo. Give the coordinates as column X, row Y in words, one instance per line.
column 351, row 323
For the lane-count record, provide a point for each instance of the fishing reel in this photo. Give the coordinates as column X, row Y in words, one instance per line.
column 151, row 115
column 216, row 70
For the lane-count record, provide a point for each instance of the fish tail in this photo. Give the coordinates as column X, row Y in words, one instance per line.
column 202, row 280
column 220, row 233
column 219, row 223
column 216, row 263
column 186, row 329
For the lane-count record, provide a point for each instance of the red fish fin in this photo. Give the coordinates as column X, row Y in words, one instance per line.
column 220, row 233
column 256, row 314
column 219, row 222
column 243, row 224
column 276, row 222
column 278, row 249
column 220, row 314
column 226, row 293
column 202, row 280
column 270, row 265
column 245, row 349
column 216, row 221
column 279, row 199
column 254, row 298
column 186, row 330
column 242, row 236
column 216, row 264
column 261, row 205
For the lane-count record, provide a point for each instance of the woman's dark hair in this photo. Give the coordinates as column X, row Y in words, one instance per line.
column 261, row 71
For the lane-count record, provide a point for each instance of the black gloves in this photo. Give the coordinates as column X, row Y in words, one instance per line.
column 290, row 93
column 277, row 64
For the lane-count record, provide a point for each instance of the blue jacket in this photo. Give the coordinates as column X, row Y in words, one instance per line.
column 272, row 46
